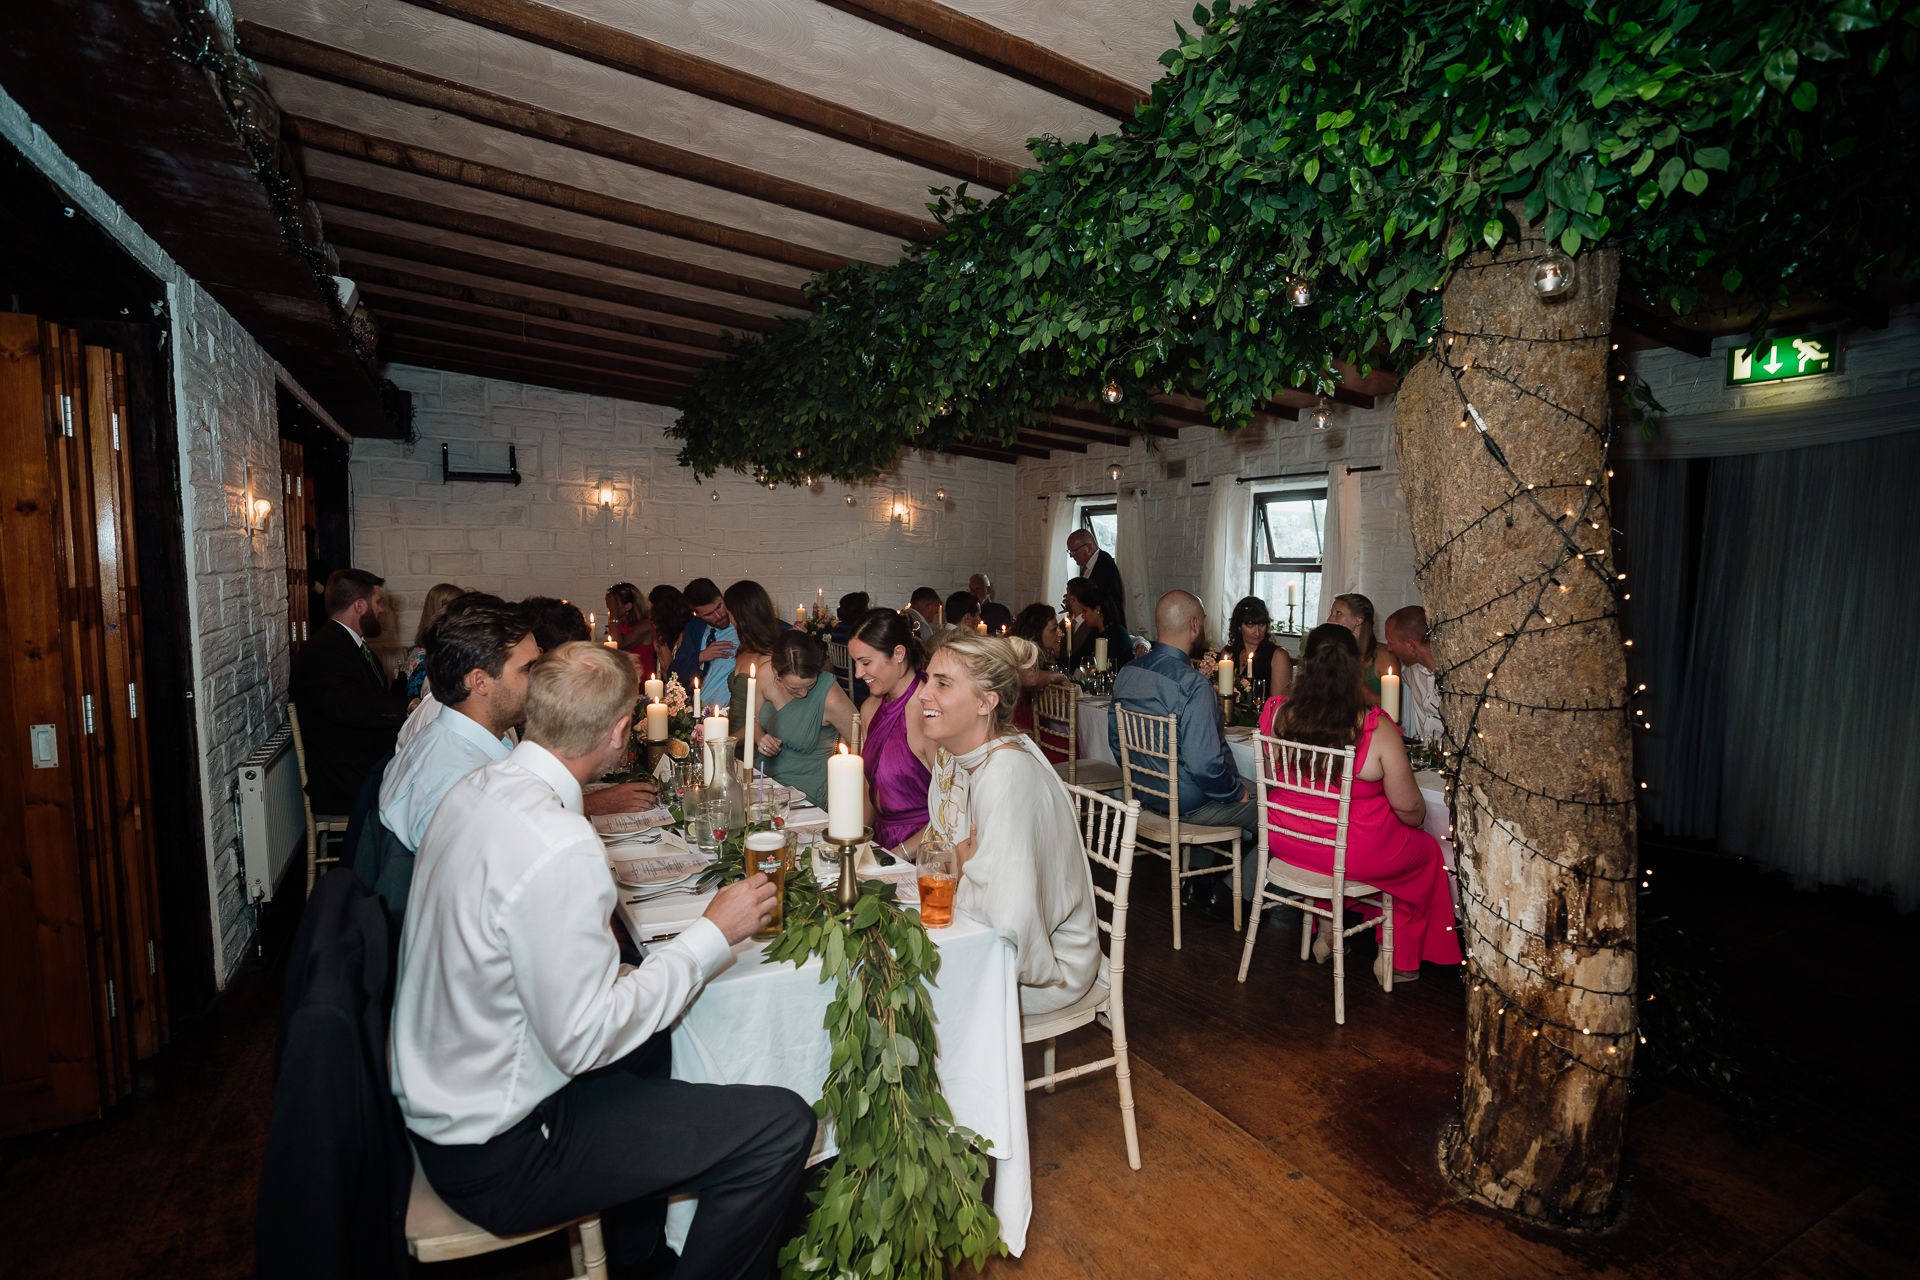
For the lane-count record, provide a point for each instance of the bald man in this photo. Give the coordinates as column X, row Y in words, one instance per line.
column 1408, row 642
column 1098, row 567
column 1163, row 682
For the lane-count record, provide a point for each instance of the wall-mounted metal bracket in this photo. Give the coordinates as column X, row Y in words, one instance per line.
column 510, row 476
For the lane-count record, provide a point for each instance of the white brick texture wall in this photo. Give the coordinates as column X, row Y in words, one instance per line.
column 224, row 406
column 1175, row 511
column 548, row 535
column 1875, row 360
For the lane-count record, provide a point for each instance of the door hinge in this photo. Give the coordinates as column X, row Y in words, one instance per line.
column 66, row 414
column 113, row 1010
column 86, row 710
column 116, row 431
column 153, row 965
column 133, row 701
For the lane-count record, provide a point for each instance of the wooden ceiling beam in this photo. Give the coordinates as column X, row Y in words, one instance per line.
column 1047, row 438
column 981, row 451
column 504, row 365
column 319, row 135
column 1066, row 410
column 392, row 246
column 370, row 75
column 559, row 380
column 483, row 226
column 1093, row 435
column 386, row 302
column 543, row 348
column 636, row 55
column 988, row 46
column 371, row 276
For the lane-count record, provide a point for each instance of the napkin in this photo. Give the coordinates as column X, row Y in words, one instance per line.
column 620, row 824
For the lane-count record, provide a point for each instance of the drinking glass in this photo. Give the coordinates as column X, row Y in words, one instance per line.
column 937, row 883
column 770, row 852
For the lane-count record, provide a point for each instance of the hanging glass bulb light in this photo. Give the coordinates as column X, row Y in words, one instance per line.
column 1322, row 410
column 1111, row 392
column 946, row 408
column 939, row 495
column 1113, row 472
column 1553, row 275
column 849, row 499
column 1300, row 292
column 714, row 496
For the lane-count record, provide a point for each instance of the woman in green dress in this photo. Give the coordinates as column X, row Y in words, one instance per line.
column 1355, row 612
column 803, row 715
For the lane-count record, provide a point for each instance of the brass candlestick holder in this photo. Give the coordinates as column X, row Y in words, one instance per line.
column 846, row 850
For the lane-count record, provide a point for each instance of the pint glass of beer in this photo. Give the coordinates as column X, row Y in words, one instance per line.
column 767, row 853
column 937, row 882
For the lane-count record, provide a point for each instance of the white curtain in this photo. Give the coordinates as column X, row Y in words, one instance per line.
column 1130, row 555
column 1340, row 544
column 1772, row 613
column 1730, row 432
column 1227, row 570
column 1054, row 562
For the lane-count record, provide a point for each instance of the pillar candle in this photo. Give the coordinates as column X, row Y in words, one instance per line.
column 750, row 730
column 981, row 627
column 713, row 744
column 1291, row 588
column 820, row 600
column 1223, row 674
column 846, row 795
column 1390, row 696
column 656, row 719
column 656, row 691
column 799, row 613
column 1100, row 653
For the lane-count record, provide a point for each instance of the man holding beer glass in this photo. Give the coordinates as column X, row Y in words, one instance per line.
column 997, row 802
column 530, row 1065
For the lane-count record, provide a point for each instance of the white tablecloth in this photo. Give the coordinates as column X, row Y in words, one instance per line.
column 761, row 1023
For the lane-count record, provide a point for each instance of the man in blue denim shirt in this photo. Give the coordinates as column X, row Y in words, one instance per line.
column 1165, row 683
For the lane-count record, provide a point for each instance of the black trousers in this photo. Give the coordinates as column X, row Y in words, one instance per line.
column 619, row 1140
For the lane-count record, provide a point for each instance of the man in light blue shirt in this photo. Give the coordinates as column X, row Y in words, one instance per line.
column 720, row 642
column 1163, row 683
column 477, row 660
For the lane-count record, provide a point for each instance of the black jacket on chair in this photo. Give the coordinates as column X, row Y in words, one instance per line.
column 337, row 1172
column 348, row 720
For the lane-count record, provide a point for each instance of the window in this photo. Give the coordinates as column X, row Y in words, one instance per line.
column 1103, row 522
column 1288, row 538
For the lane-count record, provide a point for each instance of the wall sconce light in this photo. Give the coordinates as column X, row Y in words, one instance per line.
column 261, row 510
column 899, row 509
column 606, row 492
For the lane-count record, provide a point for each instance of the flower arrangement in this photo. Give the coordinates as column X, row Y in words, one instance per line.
column 819, row 625
column 682, row 723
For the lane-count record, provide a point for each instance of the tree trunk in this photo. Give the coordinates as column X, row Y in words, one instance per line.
column 1513, row 547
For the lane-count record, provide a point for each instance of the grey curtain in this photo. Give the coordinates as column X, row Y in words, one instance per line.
column 1774, row 616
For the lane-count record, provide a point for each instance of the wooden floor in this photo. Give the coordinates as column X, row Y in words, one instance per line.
column 1274, row 1143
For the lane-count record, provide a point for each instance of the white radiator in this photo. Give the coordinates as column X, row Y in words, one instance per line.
column 273, row 816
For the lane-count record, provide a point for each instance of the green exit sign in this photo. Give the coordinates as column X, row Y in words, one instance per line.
column 1800, row 355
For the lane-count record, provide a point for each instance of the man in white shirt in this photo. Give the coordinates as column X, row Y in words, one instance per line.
column 1407, row 641
column 479, row 654
column 530, row 1065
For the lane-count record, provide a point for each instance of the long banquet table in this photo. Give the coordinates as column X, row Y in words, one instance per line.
column 757, row 1023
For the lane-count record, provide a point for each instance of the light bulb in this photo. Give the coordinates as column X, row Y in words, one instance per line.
column 1113, row 472
column 714, row 496
column 1553, row 275
column 606, row 491
column 1111, row 392
column 1323, row 410
column 1300, row 292
column 849, row 499
column 939, row 495
column 946, row 408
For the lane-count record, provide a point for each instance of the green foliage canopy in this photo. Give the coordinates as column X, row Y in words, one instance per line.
column 1725, row 146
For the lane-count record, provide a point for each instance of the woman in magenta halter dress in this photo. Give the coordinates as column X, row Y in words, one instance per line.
column 1381, row 851
column 895, row 776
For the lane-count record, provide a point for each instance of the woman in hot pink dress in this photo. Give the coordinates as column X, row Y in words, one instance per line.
column 1386, row 847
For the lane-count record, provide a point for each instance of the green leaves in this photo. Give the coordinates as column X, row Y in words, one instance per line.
column 1372, row 148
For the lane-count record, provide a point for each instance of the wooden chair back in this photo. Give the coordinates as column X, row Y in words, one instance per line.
column 1150, row 759
column 1056, row 722
column 1285, row 769
column 317, row 828
column 842, row 666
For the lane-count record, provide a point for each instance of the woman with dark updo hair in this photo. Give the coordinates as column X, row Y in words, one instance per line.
column 899, row 759
column 1386, row 846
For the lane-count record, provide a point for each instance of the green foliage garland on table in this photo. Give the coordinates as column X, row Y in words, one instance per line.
column 902, row 1199
column 1727, row 147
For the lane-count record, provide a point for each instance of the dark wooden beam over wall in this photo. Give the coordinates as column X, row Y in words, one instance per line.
column 325, row 62
column 635, row 55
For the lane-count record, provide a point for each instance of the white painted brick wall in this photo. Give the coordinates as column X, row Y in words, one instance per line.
column 1875, row 360
column 1175, row 511
column 224, row 404
column 548, row 536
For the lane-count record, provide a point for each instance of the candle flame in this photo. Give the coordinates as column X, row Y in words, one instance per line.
column 843, row 748
column 753, row 669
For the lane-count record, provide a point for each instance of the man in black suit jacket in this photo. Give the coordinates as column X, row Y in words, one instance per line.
column 347, row 718
column 1098, row 568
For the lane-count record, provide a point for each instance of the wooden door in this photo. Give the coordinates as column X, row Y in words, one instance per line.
column 298, row 510
column 79, row 934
